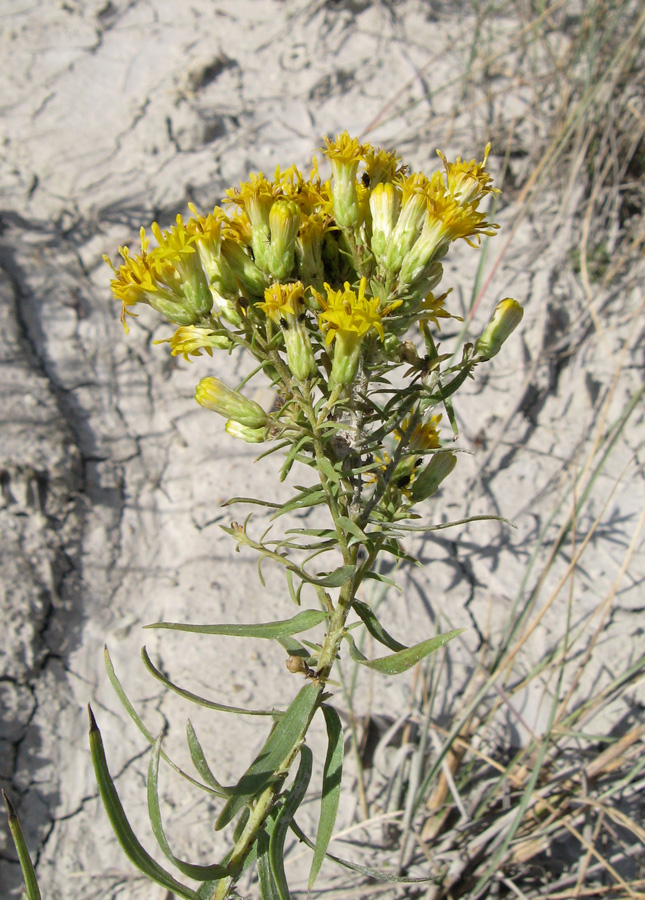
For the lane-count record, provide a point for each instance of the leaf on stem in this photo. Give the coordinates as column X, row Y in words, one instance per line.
column 303, row 621
column 32, row 891
column 332, row 773
column 136, row 718
column 199, row 873
column 295, row 796
column 368, row 618
column 199, row 761
column 280, row 743
column 377, row 874
column 120, row 825
column 201, row 701
column 403, row 659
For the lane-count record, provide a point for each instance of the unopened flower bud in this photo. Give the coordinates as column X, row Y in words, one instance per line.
column 406, row 231
column 284, row 222
column 214, row 394
column 428, row 480
column 507, row 316
column 244, row 433
column 385, row 204
column 248, row 275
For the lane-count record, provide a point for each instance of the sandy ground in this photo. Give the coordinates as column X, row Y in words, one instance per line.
column 118, row 113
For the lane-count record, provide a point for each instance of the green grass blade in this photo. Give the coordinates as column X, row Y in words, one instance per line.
column 136, row 718
column 303, row 621
column 32, row 890
column 332, row 773
column 199, row 761
column 404, row 659
column 285, row 817
column 280, row 743
column 199, row 873
column 119, row 821
column 195, row 698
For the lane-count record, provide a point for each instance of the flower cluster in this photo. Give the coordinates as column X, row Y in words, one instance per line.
column 320, row 280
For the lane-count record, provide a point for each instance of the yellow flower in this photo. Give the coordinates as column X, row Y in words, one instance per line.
column 143, row 279
column 345, row 154
column 432, row 309
column 283, row 304
column 347, row 317
column 190, row 340
column 425, row 435
column 281, row 300
column 345, row 312
column 468, row 182
column 380, row 165
column 255, row 198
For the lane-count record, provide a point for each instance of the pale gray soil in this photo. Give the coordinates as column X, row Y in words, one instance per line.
column 118, row 113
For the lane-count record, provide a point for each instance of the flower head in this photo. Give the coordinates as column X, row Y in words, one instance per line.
column 468, row 182
column 190, row 340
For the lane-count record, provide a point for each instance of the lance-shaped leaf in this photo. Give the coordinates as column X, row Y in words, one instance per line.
column 199, row 873
column 302, row 621
column 377, row 874
column 199, row 761
column 311, row 496
column 404, row 659
column 283, row 821
column 278, row 746
column 195, row 698
column 32, row 891
column 332, row 773
column 368, row 618
column 268, row 887
column 119, row 821
column 136, row 718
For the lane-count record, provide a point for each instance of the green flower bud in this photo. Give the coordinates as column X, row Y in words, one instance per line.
column 247, row 274
column 244, row 433
column 284, row 222
column 406, row 231
column 428, row 480
column 214, row 394
column 385, row 205
column 507, row 316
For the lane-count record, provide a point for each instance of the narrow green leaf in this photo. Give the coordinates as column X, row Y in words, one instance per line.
column 199, row 761
column 268, row 887
column 404, row 659
column 352, row 528
column 378, row 874
column 332, row 772
column 368, row 618
column 398, row 526
column 302, row 621
column 325, row 465
column 199, row 873
column 136, row 718
column 201, row 701
column 119, row 821
column 250, row 500
column 283, row 821
column 308, row 497
column 295, row 596
column 28, row 872
column 376, row 576
column 283, row 738
column 334, row 579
